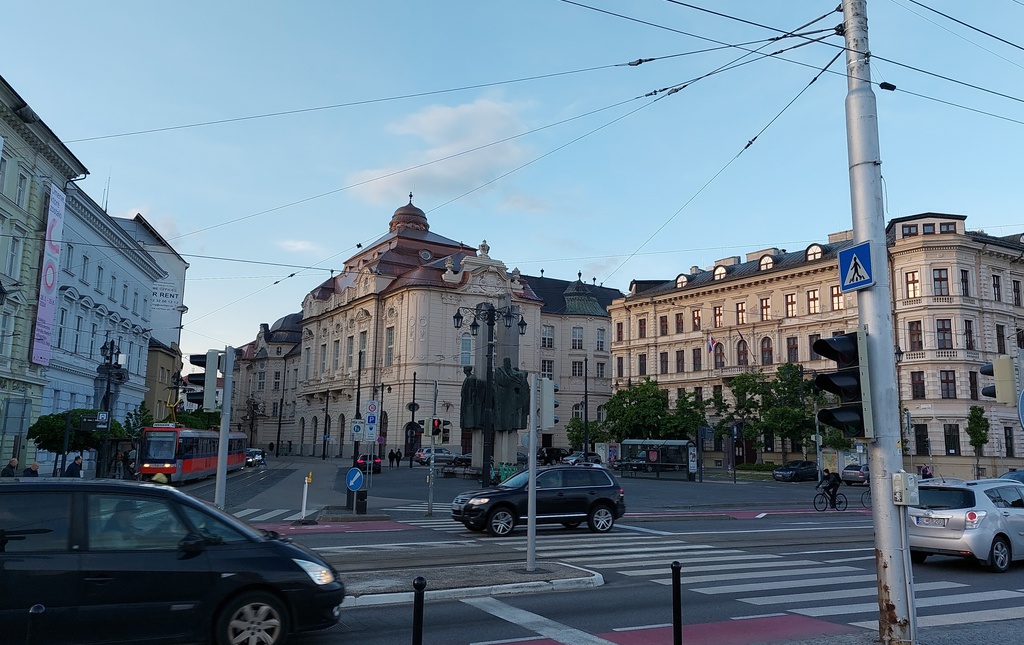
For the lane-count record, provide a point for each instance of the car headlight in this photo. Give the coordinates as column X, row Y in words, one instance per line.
column 479, row 500
column 319, row 574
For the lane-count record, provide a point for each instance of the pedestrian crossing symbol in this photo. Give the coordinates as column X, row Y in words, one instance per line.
column 855, row 267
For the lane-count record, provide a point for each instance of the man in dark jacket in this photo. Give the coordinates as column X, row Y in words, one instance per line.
column 11, row 469
column 830, row 482
column 32, row 470
column 74, row 469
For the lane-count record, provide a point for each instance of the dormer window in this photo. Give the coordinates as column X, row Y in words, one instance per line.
column 814, row 252
column 766, row 263
column 681, row 282
column 720, row 273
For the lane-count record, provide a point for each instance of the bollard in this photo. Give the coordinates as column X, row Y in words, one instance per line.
column 418, row 585
column 677, row 605
column 34, row 613
column 360, row 502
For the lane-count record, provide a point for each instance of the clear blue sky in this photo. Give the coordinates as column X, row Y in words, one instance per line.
column 514, row 121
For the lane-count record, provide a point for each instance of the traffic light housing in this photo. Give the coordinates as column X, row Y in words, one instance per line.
column 849, row 383
column 1005, row 389
column 210, row 361
column 446, row 431
column 548, row 418
column 435, row 427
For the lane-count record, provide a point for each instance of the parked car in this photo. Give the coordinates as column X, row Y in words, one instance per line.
column 363, row 463
column 548, row 456
column 98, row 553
column 567, row 495
column 462, row 460
column 981, row 519
column 441, row 456
column 796, row 471
column 856, row 474
column 578, row 457
column 1017, row 475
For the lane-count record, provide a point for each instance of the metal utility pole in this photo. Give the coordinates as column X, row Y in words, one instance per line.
column 896, row 619
column 220, row 491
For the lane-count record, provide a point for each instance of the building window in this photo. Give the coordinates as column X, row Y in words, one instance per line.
column 913, row 284
column 944, row 333
column 1008, row 441
column 99, row 278
column 741, row 313
column 940, row 282
column 577, row 411
column 599, row 371
column 720, row 273
column 947, row 227
column 716, row 316
column 719, row 355
column 547, row 368
column 915, row 335
column 618, row 332
column 917, row 385
column 350, row 348
column 277, row 380
column 997, row 288
column 792, row 350
column 663, row 363
column 813, row 338
column 577, row 338
column 716, row 394
column 619, row 371
column 698, row 394
column 742, row 354
column 599, row 339
column 695, row 318
column 767, row 353
column 323, row 359
column 813, row 252
column 577, row 368
column 1016, row 293
column 965, row 282
column 363, row 337
column 641, row 328
column 680, row 318
column 68, row 258
column 78, row 332
column 389, row 346
column 928, row 229
column 124, row 294
column 922, row 445
column 641, row 364
column 947, row 384
column 968, row 334
column 14, row 255
column 680, row 366
column 1000, row 339
column 62, row 321
column 307, row 353
column 766, row 308
column 466, row 350
column 335, row 355
column 838, row 303
column 22, row 195
column 909, row 230
column 113, row 287
column 766, row 263
column 951, row 432
column 790, row 304
column 261, row 381
column 972, row 381
column 547, row 336
column 663, row 325
column 813, row 304
column 698, row 353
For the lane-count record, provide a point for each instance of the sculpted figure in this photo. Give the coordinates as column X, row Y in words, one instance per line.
column 471, row 411
column 512, row 397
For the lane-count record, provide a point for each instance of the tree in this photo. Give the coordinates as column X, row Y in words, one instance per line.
column 136, row 420
column 977, row 433
column 48, row 432
column 574, row 432
column 199, row 420
column 690, row 415
column 788, row 406
column 639, row 412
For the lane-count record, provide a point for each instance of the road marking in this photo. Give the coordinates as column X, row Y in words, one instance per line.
column 268, row 515
column 847, row 593
column 709, row 556
column 247, row 511
column 748, row 566
column 781, row 584
column 536, row 623
column 395, row 546
column 965, row 617
column 644, row 530
column 934, row 601
column 689, row 580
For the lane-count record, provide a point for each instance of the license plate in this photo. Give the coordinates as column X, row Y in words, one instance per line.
column 930, row 521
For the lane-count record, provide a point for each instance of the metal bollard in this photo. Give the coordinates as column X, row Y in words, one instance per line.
column 34, row 613
column 677, row 605
column 418, row 585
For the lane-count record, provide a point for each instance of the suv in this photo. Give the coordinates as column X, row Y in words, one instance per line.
column 796, row 471
column 982, row 519
column 95, row 552
column 549, row 456
column 441, row 456
column 566, row 495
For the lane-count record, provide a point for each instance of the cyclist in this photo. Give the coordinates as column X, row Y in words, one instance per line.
column 830, row 482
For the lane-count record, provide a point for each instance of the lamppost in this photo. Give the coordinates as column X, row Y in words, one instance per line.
column 489, row 313
column 586, row 402
column 110, row 351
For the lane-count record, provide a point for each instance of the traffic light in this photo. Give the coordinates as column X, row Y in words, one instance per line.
column 849, row 383
column 435, row 427
column 419, row 426
column 548, row 419
column 1005, row 389
column 207, row 398
column 446, row 431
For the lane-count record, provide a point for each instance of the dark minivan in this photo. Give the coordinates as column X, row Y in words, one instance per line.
column 127, row 562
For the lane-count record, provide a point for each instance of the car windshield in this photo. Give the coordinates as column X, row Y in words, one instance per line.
column 516, row 481
column 945, row 498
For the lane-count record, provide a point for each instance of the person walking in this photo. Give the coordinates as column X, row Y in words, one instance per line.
column 32, row 470
column 11, row 469
column 398, row 456
column 74, row 469
column 391, row 459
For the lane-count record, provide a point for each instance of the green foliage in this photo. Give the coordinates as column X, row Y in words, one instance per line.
column 977, row 432
column 574, row 432
column 48, row 432
column 765, row 467
column 199, row 420
column 138, row 419
column 835, row 439
column 640, row 412
column 690, row 415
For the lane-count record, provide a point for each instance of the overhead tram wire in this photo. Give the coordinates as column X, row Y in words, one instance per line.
column 969, row 26
column 722, row 170
column 960, row 36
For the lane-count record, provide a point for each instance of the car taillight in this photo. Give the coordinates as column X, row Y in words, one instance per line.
column 973, row 519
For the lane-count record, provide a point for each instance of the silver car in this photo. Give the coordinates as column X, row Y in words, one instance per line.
column 982, row 520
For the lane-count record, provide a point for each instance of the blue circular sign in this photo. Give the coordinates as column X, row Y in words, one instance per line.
column 354, row 479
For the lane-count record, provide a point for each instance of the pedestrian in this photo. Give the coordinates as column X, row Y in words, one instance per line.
column 398, row 456
column 391, row 459
column 118, row 465
column 32, row 471
column 926, row 472
column 11, row 469
column 74, row 469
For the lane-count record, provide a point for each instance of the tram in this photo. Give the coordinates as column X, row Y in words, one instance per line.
column 184, row 454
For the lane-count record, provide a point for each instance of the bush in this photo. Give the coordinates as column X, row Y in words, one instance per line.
column 766, row 467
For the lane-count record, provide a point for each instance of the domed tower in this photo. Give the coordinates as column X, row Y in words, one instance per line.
column 410, row 217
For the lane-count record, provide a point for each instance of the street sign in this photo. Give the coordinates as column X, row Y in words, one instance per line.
column 354, row 479
column 357, row 431
column 372, row 407
column 855, row 267
column 371, row 419
column 369, row 432
column 102, row 420
column 380, row 440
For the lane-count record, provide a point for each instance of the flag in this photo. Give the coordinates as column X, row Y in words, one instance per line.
column 711, row 344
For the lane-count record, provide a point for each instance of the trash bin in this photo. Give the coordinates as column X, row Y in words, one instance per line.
column 350, row 499
column 360, row 502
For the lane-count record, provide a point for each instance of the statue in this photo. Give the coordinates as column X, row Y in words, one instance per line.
column 512, row 397
column 471, row 410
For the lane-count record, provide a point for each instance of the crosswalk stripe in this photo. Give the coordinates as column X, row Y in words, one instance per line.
column 812, row 572
column 246, row 511
column 780, row 584
column 847, row 593
column 934, row 601
column 398, row 546
column 611, row 561
column 964, row 617
column 748, row 566
column 267, row 515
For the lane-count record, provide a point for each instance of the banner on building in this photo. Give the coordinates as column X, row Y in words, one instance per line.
column 42, row 337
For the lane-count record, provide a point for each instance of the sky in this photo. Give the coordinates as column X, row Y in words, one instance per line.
column 265, row 140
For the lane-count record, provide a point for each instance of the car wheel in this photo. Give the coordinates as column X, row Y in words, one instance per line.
column 571, row 525
column 500, row 522
column 254, row 617
column 600, row 519
column 1000, row 555
column 917, row 557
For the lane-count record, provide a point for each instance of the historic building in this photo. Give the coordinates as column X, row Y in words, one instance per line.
column 383, row 331
column 956, row 305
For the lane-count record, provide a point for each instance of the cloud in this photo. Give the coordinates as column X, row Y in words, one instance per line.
column 444, row 131
column 299, row 246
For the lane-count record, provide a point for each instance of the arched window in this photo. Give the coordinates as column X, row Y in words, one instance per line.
column 766, row 263
column 720, row 272
column 814, row 252
column 681, row 281
column 767, row 356
column 742, row 355
column 719, row 355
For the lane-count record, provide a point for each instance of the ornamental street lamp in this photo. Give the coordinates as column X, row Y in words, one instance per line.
column 110, row 352
column 489, row 313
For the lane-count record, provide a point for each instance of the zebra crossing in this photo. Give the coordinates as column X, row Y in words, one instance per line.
column 255, row 515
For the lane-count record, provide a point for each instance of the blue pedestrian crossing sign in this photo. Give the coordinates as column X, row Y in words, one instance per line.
column 855, row 267
column 354, row 479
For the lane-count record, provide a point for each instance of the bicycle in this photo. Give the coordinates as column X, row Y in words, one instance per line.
column 865, row 498
column 821, row 502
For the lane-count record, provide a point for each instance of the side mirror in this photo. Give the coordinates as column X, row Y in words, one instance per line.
column 191, row 544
